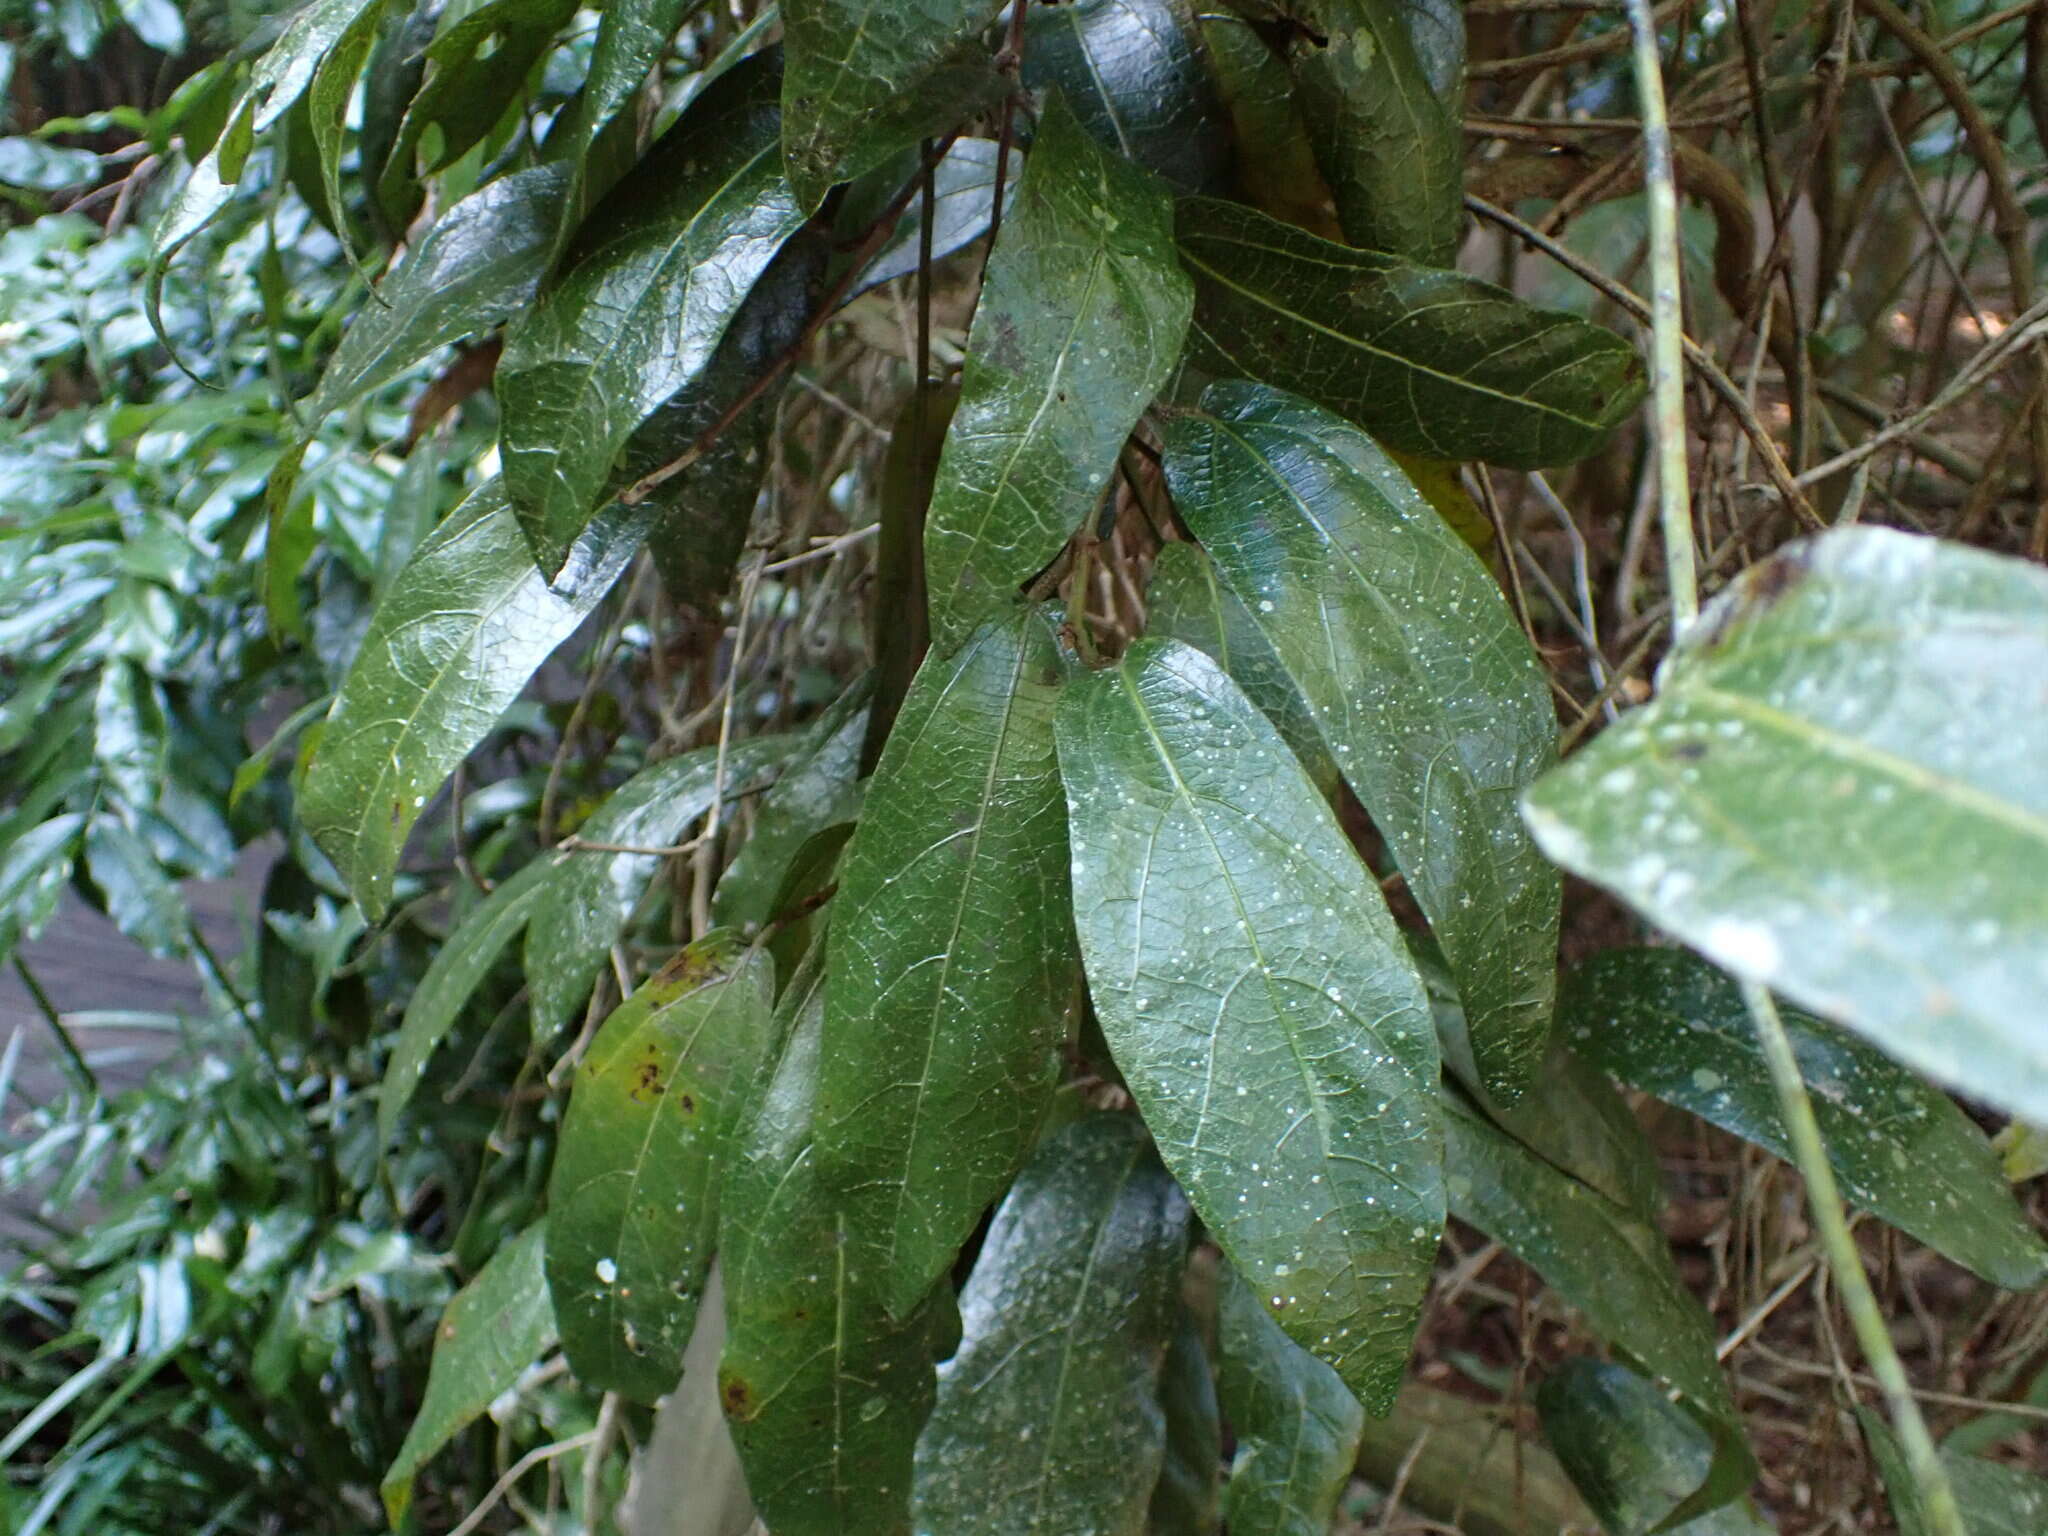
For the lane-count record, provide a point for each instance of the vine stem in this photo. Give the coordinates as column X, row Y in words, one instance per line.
column 1824, row 1197
column 1667, row 325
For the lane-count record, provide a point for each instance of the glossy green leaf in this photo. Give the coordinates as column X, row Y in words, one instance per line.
column 1630, row 1452
column 1297, row 1424
column 1390, row 147
column 952, row 964
column 591, row 892
column 33, row 871
column 1185, row 1499
column 868, row 77
column 1048, row 1419
column 128, row 733
column 1613, row 1267
column 466, row 624
column 1132, row 71
column 1081, row 318
column 698, row 520
column 475, row 68
column 458, row 968
column 633, row 1198
column 1431, row 362
column 1838, row 794
column 139, row 896
column 198, row 201
column 1423, row 685
column 327, row 102
column 1188, row 601
column 963, row 194
column 597, row 134
column 497, row 1325
column 282, row 75
column 1259, row 1002
column 645, row 293
column 824, row 1394
column 1437, row 28
column 480, row 263
column 1666, row 1022
column 1994, row 1499
column 817, row 790
column 45, row 167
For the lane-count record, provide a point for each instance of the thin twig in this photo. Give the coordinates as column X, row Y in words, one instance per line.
column 516, row 1471
column 1810, row 1156
column 1667, row 325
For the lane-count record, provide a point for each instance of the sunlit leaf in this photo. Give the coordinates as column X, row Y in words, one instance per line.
column 1423, row 686
column 1260, row 1004
column 1080, row 319
column 1842, row 792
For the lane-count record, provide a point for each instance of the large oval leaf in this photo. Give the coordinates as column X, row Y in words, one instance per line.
column 1670, row 1024
column 590, row 892
column 824, row 1393
column 1841, row 792
column 1132, row 71
column 1297, row 1424
column 1422, row 684
column 952, row 964
column 1258, row 1001
column 633, row 1199
column 1048, row 1419
column 468, row 621
column 1430, row 362
column 481, row 262
column 867, row 77
column 1080, row 319
column 1389, row 146
column 1632, row 1454
column 647, row 289
column 497, row 1325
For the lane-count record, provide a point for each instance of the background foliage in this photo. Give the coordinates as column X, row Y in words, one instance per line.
column 978, row 782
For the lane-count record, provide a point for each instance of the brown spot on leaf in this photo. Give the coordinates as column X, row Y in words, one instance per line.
column 736, row 1395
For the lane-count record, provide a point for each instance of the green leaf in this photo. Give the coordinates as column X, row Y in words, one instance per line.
column 817, row 790
column 1297, row 1424
column 1430, row 362
column 282, row 75
column 1080, row 320
column 128, row 733
column 1630, row 1452
column 952, row 966
column 867, row 77
column 963, row 194
column 1184, row 1500
column 700, row 517
column 1438, row 30
column 139, row 896
column 633, row 1199
column 1187, row 601
column 466, row 624
column 44, row 167
column 1132, row 71
column 1670, row 1024
column 480, row 263
column 1390, row 148
column 1261, row 1006
column 33, row 872
column 497, row 1325
column 824, row 1394
column 477, row 66
column 648, row 287
column 1048, row 1419
column 1836, row 795
column 459, row 966
column 1994, row 1499
column 327, row 102
column 591, row 892
column 1276, row 168
column 633, row 36
column 1423, row 685
column 1612, row 1266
